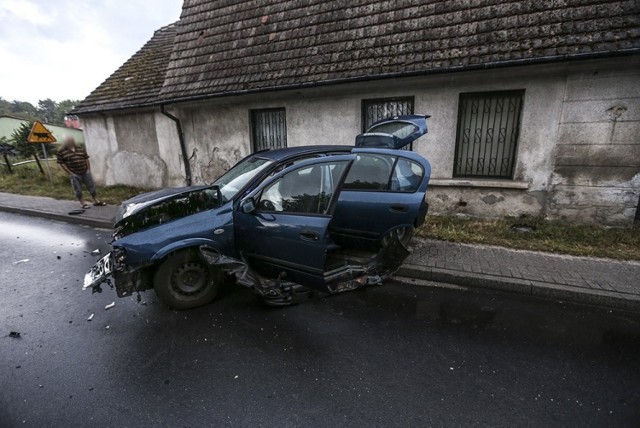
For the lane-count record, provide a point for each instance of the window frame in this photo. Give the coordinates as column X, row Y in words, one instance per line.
column 373, row 101
column 252, row 127
column 483, row 95
column 370, row 101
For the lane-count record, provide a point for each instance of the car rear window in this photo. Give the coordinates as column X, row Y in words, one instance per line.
column 407, row 176
column 399, row 129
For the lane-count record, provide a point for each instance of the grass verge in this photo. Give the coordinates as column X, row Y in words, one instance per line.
column 550, row 236
column 27, row 180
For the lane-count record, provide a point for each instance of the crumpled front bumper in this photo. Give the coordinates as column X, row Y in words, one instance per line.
column 100, row 272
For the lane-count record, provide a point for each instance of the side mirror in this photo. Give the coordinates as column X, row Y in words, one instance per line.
column 248, row 205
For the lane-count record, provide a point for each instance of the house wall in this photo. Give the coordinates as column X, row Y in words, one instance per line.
column 578, row 120
column 125, row 149
column 597, row 165
column 218, row 132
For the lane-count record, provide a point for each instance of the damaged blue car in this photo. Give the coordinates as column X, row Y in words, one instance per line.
column 282, row 222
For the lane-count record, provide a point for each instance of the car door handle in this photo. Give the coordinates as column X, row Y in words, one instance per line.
column 309, row 235
column 399, row 208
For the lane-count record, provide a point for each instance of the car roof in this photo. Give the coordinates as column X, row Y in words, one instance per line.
column 279, row 154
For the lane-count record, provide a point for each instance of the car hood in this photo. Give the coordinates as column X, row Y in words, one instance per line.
column 164, row 206
column 146, row 200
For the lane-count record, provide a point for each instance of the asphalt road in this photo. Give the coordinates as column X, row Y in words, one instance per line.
column 394, row 355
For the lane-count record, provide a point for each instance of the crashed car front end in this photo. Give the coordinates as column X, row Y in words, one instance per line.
column 131, row 259
column 113, row 266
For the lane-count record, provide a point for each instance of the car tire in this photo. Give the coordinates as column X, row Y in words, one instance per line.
column 404, row 235
column 184, row 281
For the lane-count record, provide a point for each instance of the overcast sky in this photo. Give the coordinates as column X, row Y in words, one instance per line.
column 64, row 49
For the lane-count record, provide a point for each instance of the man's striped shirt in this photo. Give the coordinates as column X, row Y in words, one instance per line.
column 75, row 160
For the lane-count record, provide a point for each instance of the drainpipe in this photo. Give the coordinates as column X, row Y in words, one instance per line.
column 183, row 146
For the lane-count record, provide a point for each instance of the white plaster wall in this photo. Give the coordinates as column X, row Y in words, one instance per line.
column 597, row 166
column 218, row 131
column 169, row 149
column 100, row 144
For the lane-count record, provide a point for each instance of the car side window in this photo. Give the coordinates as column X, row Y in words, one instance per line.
column 407, row 176
column 307, row 190
column 370, row 172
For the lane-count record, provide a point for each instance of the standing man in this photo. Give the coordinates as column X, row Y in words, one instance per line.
column 75, row 161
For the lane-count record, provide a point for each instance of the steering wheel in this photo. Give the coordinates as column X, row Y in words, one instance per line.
column 266, row 205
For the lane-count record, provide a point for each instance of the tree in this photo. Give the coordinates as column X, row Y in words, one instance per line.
column 47, row 110
column 24, row 110
column 62, row 109
column 19, row 140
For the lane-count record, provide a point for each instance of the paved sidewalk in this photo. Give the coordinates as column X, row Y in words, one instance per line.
column 55, row 209
column 602, row 282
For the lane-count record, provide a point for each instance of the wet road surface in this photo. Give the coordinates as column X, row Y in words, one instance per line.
column 394, row 355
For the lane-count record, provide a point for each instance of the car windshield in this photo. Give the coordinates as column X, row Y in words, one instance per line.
column 238, row 176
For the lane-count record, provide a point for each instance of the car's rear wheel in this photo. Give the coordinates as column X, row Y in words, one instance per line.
column 404, row 235
column 184, row 281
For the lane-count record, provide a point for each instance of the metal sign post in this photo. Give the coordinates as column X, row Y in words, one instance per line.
column 46, row 159
column 40, row 134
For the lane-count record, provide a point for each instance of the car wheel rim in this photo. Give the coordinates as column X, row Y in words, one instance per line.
column 190, row 279
column 404, row 235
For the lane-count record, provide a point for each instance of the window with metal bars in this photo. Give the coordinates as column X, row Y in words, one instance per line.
column 268, row 129
column 375, row 110
column 487, row 134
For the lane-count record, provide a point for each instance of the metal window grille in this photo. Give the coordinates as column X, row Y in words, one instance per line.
column 487, row 135
column 384, row 108
column 269, row 129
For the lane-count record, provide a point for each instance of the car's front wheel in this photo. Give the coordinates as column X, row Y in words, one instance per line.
column 184, row 281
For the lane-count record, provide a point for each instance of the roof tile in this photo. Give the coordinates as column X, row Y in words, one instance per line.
column 229, row 46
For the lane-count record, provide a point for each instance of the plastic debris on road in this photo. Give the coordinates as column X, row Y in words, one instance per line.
column 95, row 252
column 109, row 306
column 20, row 262
column 14, row 334
column 90, row 317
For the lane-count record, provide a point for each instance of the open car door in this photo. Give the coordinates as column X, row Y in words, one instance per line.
column 394, row 133
column 385, row 189
column 282, row 227
column 383, row 192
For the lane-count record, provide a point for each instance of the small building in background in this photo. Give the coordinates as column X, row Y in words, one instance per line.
column 535, row 105
column 8, row 124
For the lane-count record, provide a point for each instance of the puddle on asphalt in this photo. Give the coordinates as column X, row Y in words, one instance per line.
column 526, row 318
column 36, row 234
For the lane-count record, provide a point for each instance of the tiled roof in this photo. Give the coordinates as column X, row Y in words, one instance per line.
column 138, row 81
column 226, row 47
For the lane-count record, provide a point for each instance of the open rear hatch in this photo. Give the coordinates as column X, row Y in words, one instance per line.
column 394, row 133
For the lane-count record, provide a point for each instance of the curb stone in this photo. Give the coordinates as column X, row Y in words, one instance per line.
column 547, row 290
column 76, row 219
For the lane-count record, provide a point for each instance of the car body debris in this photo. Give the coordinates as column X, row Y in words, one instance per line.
column 14, row 334
column 95, row 252
column 109, row 306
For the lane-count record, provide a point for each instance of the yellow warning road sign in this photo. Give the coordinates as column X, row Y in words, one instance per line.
column 40, row 134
